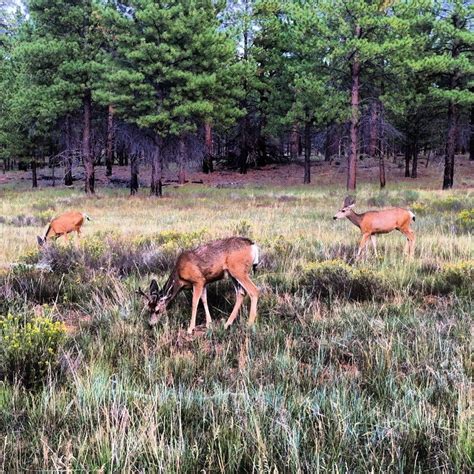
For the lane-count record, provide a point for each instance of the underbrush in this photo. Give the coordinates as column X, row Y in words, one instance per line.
column 29, row 347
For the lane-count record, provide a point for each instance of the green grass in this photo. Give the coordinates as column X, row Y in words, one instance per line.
column 352, row 367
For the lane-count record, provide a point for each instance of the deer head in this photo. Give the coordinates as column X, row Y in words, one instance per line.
column 349, row 203
column 153, row 300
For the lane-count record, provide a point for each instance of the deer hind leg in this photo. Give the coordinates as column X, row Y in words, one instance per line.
column 373, row 239
column 362, row 244
column 410, row 245
column 239, row 298
column 206, row 308
column 249, row 286
column 197, row 292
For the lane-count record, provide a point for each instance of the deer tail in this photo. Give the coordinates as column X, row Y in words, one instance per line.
column 255, row 257
column 89, row 218
column 412, row 215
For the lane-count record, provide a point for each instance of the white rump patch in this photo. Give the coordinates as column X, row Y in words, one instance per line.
column 411, row 214
column 255, row 255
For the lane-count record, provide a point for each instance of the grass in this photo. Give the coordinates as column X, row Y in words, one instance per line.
column 352, row 367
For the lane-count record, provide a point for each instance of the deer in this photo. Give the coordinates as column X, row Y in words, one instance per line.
column 63, row 225
column 372, row 223
column 233, row 256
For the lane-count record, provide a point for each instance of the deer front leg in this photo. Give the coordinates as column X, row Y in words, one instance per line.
column 197, row 292
column 373, row 239
column 206, row 308
column 239, row 298
column 362, row 244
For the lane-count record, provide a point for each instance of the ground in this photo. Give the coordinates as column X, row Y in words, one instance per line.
column 352, row 366
column 323, row 174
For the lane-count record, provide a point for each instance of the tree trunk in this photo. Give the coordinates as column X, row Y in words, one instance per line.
column 244, row 146
column 181, row 156
column 448, row 179
column 68, row 157
column 134, row 161
column 414, row 165
column 294, row 139
column 407, row 159
column 354, row 131
column 373, row 129
column 156, row 188
column 34, row 174
column 383, row 181
column 327, row 144
column 307, row 153
column 109, row 152
column 471, row 136
column 207, row 165
column 86, row 144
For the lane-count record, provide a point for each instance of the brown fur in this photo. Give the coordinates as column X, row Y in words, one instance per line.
column 63, row 225
column 205, row 264
column 372, row 223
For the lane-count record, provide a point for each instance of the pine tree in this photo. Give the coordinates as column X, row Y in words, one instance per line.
column 172, row 73
column 59, row 53
column 450, row 65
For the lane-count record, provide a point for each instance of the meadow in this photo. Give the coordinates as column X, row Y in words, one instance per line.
column 352, row 367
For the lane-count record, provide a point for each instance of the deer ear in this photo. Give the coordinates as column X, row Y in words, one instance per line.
column 154, row 288
column 349, row 201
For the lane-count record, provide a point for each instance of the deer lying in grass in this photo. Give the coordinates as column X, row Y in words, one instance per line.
column 372, row 223
column 234, row 256
column 63, row 225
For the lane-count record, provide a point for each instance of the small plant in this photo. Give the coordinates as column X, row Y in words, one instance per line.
column 243, row 228
column 334, row 278
column 454, row 278
column 409, row 196
column 450, row 203
column 379, row 200
column 465, row 220
column 419, row 208
column 28, row 349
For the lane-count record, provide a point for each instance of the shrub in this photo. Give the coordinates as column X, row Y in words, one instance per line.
column 336, row 279
column 453, row 278
column 379, row 200
column 28, row 349
column 419, row 208
column 449, row 203
column 409, row 196
column 24, row 221
column 243, row 229
column 465, row 220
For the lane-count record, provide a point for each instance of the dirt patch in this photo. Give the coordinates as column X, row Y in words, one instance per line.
column 323, row 174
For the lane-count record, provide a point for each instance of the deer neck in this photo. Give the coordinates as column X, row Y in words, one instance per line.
column 355, row 218
column 171, row 287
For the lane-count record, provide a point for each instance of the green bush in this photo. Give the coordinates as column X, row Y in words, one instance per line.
column 336, row 279
column 380, row 199
column 453, row 278
column 28, row 349
column 465, row 220
column 449, row 203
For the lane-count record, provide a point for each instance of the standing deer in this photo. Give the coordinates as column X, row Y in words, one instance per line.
column 372, row 223
column 234, row 256
column 63, row 225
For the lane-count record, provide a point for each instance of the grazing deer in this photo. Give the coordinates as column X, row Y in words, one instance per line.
column 234, row 256
column 63, row 225
column 372, row 223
